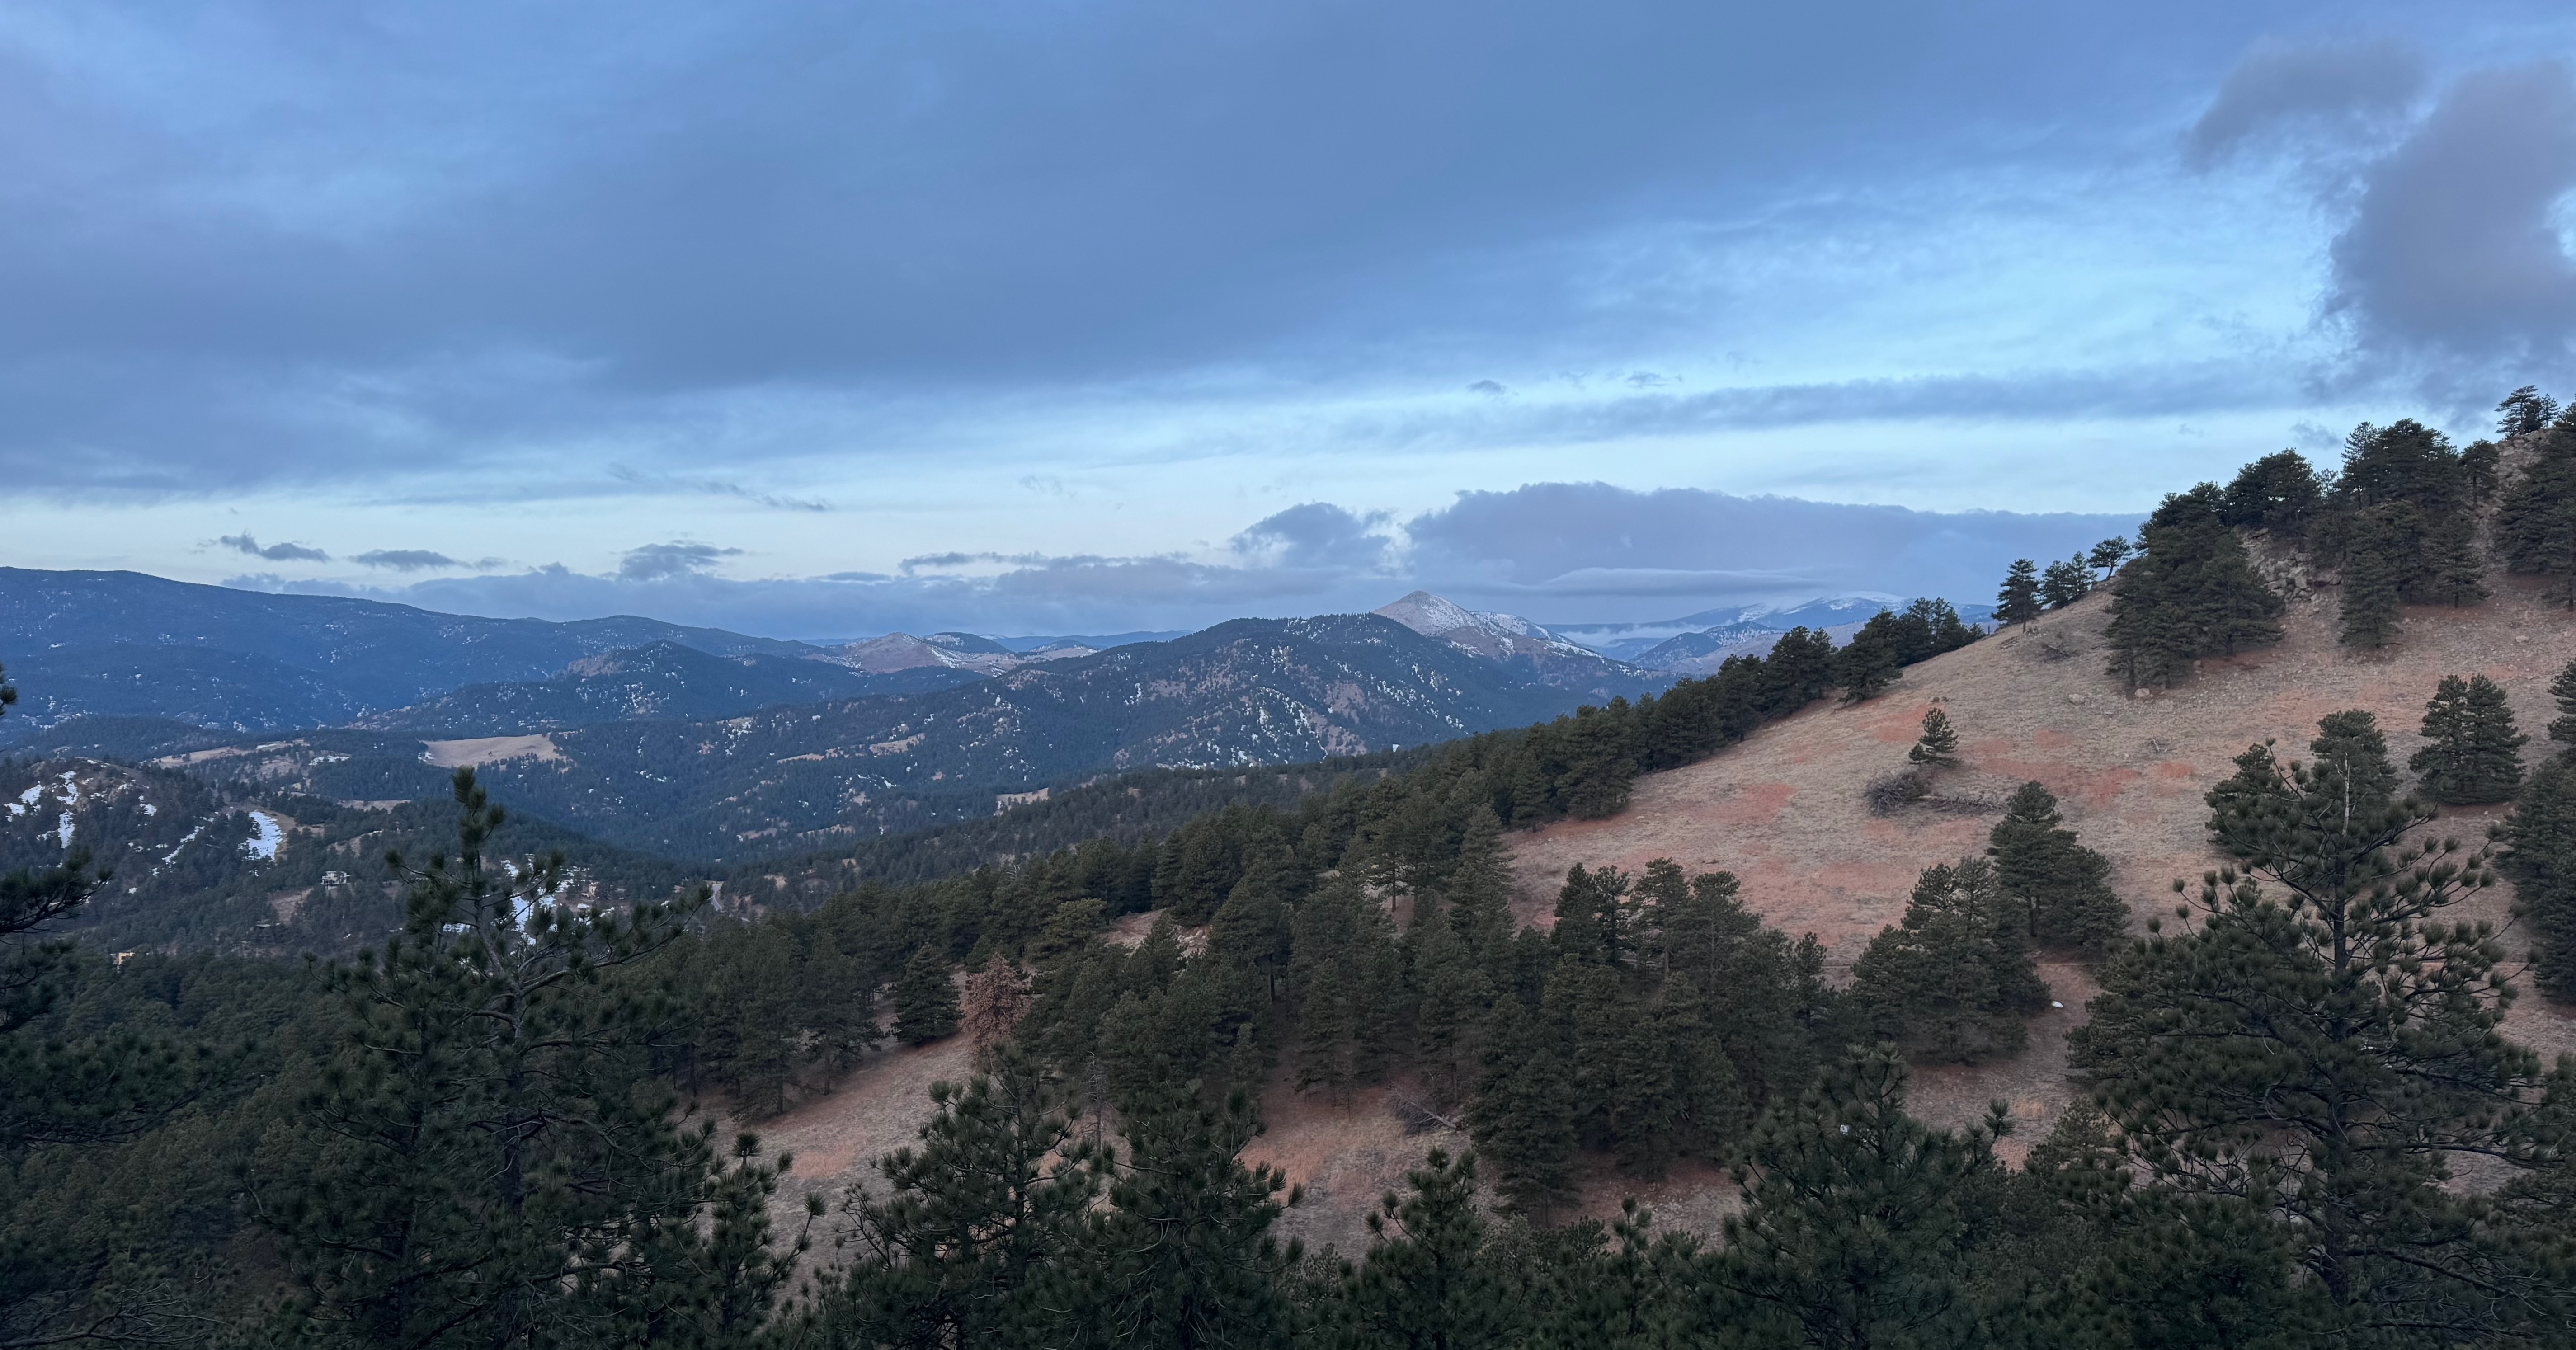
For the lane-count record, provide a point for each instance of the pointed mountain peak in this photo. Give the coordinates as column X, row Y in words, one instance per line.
column 1429, row 614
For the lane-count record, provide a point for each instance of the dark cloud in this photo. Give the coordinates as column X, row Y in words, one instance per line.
column 404, row 559
column 714, row 487
column 660, row 562
column 2456, row 250
column 243, row 543
column 2334, row 86
column 349, row 247
column 1554, row 545
column 1317, row 534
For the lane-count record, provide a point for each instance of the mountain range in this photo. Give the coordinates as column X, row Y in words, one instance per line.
column 127, row 644
column 1659, row 644
column 703, row 744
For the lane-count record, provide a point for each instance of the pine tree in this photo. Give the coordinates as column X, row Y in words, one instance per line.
column 2536, row 524
column 2473, row 756
column 1954, row 979
column 1428, row 1283
column 2195, row 593
column 1346, row 978
column 2562, row 691
column 1596, row 915
column 1931, row 627
column 1872, row 660
column 1601, row 762
column 1480, row 890
column 2107, row 556
column 1938, row 746
column 1183, row 1257
column 2320, row 1040
column 1523, row 1117
column 2451, row 573
column 1711, row 1106
column 2540, row 855
column 1455, row 999
column 1859, row 1220
column 2060, row 888
column 753, row 1032
column 491, row 1122
column 1254, row 926
column 2018, row 600
column 2525, row 411
column 2480, row 462
column 2279, row 492
column 925, row 998
column 2066, row 582
column 2379, row 562
column 1798, row 671
column 835, row 1005
column 995, row 1195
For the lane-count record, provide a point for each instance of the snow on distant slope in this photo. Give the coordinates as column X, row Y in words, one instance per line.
column 1489, row 635
column 956, row 651
column 1513, row 640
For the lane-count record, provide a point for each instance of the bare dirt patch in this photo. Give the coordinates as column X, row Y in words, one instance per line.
column 481, row 750
column 836, row 1139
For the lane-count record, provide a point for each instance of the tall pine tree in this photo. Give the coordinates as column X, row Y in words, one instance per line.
column 1859, row 1220
column 2321, row 1040
column 2540, row 856
column 493, row 1161
column 2562, row 691
column 925, row 998
column 1954, row 979
column 2059, row 888
column 2473, row 753
column 2018, row 599
column 1523, row 1117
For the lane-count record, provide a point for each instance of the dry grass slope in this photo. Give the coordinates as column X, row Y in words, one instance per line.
column 1785, row 812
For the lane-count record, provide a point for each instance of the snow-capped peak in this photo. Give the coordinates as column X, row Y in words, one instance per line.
column 1431, row 615
column 1490, row 635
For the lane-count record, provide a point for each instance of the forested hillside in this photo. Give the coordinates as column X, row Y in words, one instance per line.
column 2305, row 1106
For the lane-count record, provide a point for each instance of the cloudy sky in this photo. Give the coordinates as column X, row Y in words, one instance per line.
column 827, row 318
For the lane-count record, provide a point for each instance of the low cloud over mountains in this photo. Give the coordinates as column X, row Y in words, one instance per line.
column 1559, row 552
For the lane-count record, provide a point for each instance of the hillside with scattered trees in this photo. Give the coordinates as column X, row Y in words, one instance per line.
column 2180, row 965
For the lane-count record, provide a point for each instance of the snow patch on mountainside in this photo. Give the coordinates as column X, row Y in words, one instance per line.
column 955, row 651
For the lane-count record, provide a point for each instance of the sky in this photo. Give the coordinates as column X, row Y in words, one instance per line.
column 825, row 319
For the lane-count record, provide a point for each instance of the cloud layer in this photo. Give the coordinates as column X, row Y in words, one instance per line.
column 1559, row 552
column 1037, row 304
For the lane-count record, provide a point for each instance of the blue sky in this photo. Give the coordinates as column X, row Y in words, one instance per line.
column 833, row 318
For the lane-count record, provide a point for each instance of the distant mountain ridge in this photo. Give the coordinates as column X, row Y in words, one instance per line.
column 127, row 644
column 803, row 776
column 1697, row 644
column 660, row 681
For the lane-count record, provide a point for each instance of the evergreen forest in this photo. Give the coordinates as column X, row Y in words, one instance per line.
column 512, row 1120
